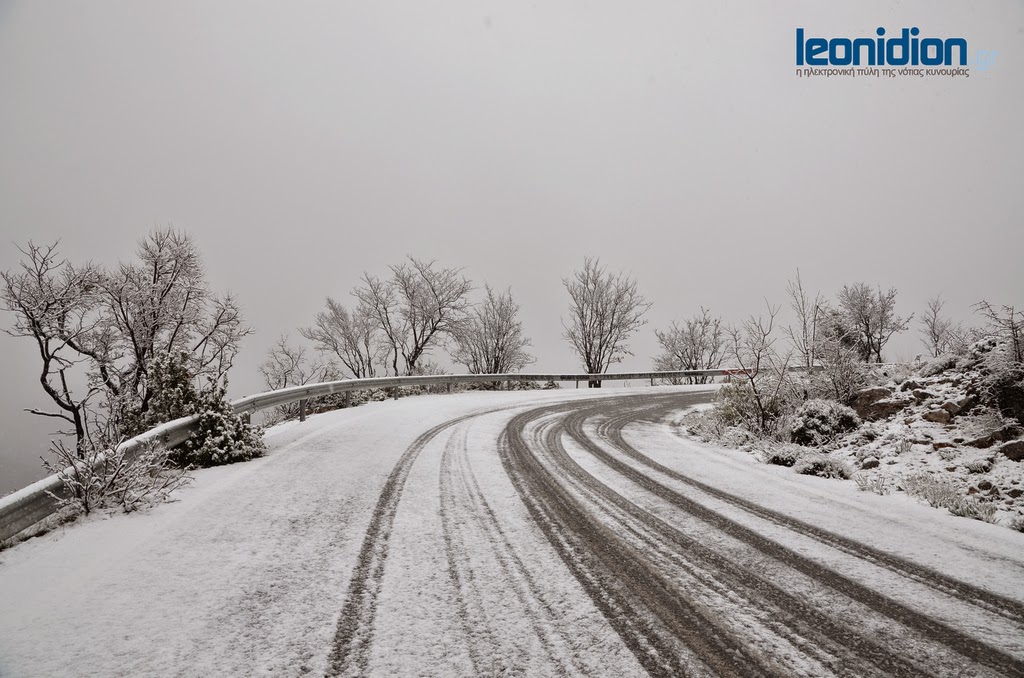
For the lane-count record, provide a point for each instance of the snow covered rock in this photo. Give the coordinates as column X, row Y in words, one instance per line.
column 939, row 416
column 878, row 403
column 1008, row 432
column 1013, row 450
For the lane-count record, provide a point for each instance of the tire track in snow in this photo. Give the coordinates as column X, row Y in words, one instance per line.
column 466, row 513
column 612, row 430
column 771, row 610
column 940, row 634
column 635, row 598
column 354, row 633
column 767, row 623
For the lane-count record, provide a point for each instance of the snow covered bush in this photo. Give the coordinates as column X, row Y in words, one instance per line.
column 818, row 422
column 782, row 455
column 1003, row 382
column 877, row 484
column 938, row 365
column 937, row 492
column 971, row 508
column 110, row 477
column 222, row 437
column 981, row 465
column 821, row 465
column 172, row 395
column 737, row 404
column 1001, row 358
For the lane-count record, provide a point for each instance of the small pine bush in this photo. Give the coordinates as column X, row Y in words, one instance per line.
column 222, row 437
column 818, row 422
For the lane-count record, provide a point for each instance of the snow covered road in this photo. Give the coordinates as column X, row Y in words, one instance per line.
column 524, row 533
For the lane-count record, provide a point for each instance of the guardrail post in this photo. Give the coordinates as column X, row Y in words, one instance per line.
column 302, row 410
column 247, row 418
column 347, row 399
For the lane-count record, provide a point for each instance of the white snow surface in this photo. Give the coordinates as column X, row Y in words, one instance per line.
column 247, row 572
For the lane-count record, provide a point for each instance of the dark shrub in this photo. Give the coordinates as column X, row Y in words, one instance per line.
column 818, row 422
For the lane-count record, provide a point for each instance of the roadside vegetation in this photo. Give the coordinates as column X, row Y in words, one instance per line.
column 946, row 428
column 122, row 349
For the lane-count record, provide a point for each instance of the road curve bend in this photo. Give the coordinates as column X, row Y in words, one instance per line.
column 530, row 534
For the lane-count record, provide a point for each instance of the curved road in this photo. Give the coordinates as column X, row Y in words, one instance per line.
column 518, row 534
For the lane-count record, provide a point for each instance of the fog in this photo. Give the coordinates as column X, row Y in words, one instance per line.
column 303, row 143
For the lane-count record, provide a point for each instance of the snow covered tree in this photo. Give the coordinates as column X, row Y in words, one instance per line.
column 937, row 331
column 56, row 304
column 353, row 337
column 872, row 313
column 804, row 336
column 836, row 350
column 1003, row 365
column 491, row 340
column 765, row 391
column 604, row 310
column 162, row 304
column 142, row 336
column 697, row 343
column 418, row 305
column 1007, row 323
column 287, row 365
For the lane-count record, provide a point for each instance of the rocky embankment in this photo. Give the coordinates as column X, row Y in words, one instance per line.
column 944, row 422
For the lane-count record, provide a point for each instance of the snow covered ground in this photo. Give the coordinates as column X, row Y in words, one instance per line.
column 525, row 533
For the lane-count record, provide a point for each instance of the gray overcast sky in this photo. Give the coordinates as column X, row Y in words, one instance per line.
column 302, row 143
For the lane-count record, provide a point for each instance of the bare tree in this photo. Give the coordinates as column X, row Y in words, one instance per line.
column 55, row 303
column 698, row 343
column 415, row 307
column 937, row 331
column 287, row 365
column 873, row 315
column 491, row 341
column 804, row 337
column 352, row 337
column 604, row 310
column 764, row 373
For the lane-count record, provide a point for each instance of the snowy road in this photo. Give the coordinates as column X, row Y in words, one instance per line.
column 554, row 533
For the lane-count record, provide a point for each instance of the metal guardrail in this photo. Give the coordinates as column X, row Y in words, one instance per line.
column 28, row 506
